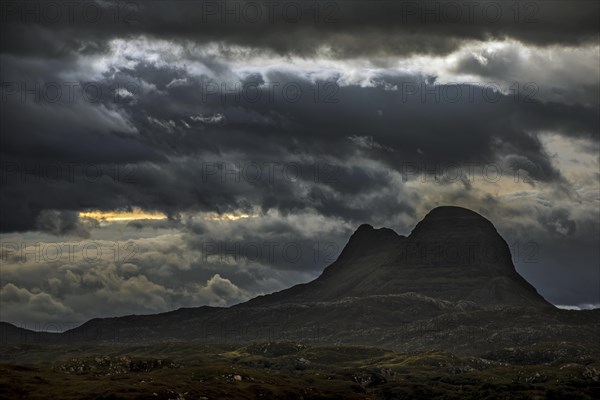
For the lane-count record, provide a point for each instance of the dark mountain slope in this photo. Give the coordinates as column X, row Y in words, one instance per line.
column 452, row 254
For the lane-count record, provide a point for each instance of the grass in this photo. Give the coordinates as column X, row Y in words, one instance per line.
column 289, row 370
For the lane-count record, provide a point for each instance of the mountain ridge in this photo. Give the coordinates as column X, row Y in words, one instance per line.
column 451, row 242
column 437, row 288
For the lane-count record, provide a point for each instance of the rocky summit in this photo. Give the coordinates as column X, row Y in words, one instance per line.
column 450, row 285
column 453, row 254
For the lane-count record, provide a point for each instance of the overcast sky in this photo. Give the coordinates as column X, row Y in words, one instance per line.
column 164, row 154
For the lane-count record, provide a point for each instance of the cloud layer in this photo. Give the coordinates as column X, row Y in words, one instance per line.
column 324, row 117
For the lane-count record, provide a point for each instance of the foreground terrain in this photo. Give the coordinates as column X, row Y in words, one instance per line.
column 291, row 370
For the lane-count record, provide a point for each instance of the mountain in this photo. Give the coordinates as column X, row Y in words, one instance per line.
column 452, row 254
column 450, row 285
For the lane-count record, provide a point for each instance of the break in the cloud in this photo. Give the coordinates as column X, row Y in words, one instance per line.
column 296, row 133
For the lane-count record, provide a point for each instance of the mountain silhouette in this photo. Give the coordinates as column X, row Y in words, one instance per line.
column 452, row 254
column 451, row 285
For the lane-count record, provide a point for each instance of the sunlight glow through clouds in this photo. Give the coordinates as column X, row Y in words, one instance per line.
column 139, row 214
column 227, row 216
column 134, row 214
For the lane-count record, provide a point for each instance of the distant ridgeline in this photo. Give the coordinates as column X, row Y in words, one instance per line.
column 450, row 285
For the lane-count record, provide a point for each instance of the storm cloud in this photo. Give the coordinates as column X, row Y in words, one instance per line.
column 252, row 123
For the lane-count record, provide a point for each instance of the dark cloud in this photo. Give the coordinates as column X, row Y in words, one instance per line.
column 64, row 223
column 191, row 115
column 183, row 149
column 297, row 27
column 558, row 221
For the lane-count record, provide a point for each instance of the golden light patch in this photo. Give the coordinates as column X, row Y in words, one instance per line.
column 227, row 217
column 134, row 214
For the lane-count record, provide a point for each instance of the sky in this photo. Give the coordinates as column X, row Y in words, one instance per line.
column 166, row 154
